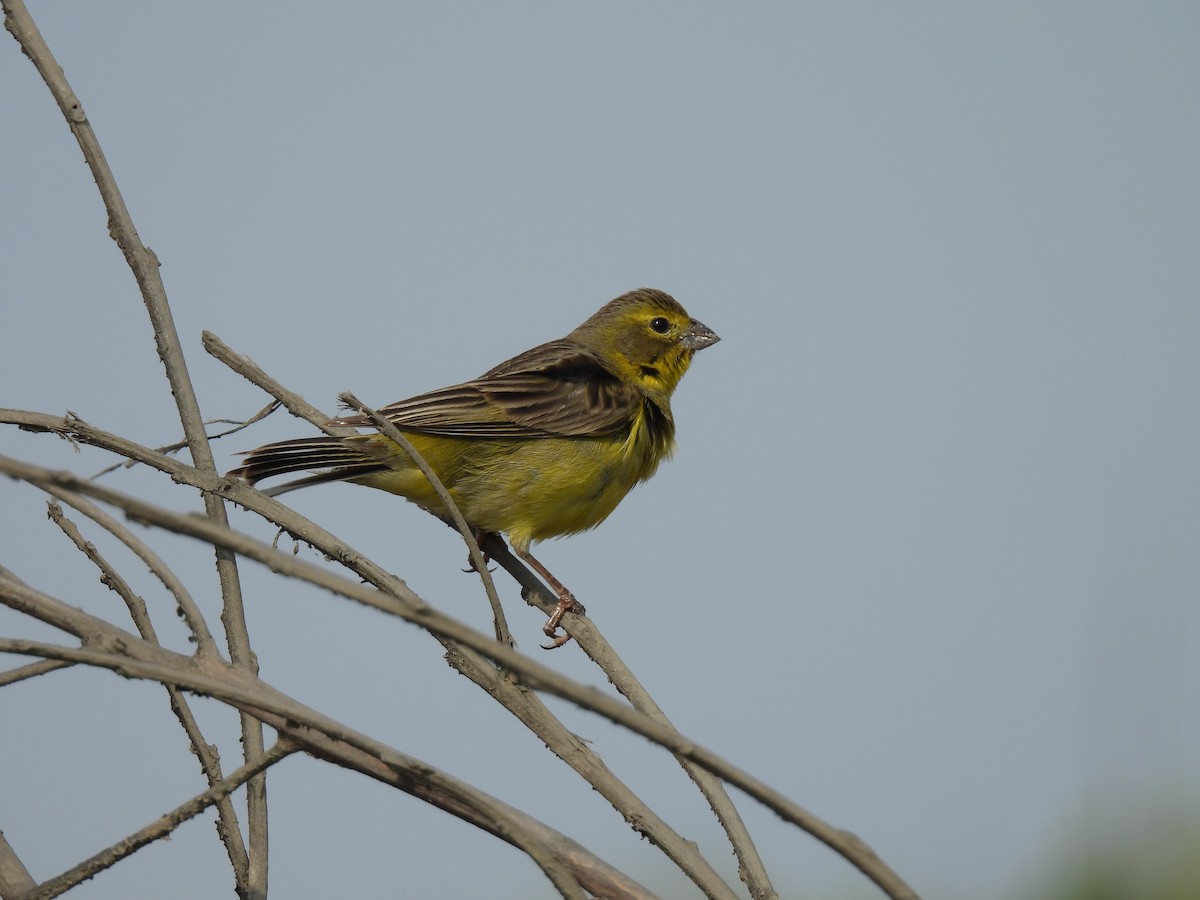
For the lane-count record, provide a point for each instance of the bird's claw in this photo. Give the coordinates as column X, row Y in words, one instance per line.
column 566, row 604
column 471, row 563
column 557, row 642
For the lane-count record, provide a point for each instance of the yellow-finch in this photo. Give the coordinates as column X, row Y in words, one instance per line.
column 545, row 444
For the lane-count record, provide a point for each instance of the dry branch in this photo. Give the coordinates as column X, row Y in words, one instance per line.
column 252, row 882
column 387, row 593
column 494, row 665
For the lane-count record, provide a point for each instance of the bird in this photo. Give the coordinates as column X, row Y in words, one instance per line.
column 543, row 445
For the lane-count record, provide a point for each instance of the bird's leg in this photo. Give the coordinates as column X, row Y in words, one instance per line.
column 480, row 537
column 566, row 602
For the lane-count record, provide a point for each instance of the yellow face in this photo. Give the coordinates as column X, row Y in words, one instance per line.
column 649, row 337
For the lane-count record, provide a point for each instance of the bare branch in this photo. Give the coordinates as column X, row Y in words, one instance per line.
column 108, row 574
column 186, row 605
column 227, row 825
column 15, row 879
column 179, row 445
column 132, row 657
column 250, row 370
column 593, row 874
column 400, row 600
column 593, row 643
column 298, row 406
column 145, row 267
column 241, row 424
column 237, row 684
column 162, row 826
column 32, row 670
column 534, row 714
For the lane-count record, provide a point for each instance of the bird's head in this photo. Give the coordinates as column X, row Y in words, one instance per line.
column 648, row 338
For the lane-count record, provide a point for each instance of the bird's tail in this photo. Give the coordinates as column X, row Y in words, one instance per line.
column 343, row 460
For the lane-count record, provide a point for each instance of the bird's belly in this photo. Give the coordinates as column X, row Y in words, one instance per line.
column 549, row 488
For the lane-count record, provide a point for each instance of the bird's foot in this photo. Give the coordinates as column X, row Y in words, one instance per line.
column 471, row 564
column 566, row 604
column 480, row 537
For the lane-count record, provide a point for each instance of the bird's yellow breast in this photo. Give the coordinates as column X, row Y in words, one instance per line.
column 530, row 489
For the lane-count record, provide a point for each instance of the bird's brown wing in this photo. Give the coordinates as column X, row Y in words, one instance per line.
column 557, row 388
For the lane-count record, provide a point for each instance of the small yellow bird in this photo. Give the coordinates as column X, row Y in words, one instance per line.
column 545, row 444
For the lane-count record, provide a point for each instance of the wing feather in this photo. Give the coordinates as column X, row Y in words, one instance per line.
column 556, row 389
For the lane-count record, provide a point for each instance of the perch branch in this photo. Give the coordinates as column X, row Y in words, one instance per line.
column 132, row 657
column 401, row 601
column 478, row 562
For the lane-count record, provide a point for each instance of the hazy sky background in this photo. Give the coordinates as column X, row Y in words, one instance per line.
column 927, row 557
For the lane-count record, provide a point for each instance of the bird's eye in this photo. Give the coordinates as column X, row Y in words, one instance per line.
column 661, row 325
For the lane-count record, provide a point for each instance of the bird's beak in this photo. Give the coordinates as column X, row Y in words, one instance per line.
column 698, row 336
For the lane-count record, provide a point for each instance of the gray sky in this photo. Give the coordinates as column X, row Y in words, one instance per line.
column 926, row 558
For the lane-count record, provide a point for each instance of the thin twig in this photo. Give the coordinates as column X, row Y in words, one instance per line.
column 32, row 670
column 238, row 425
column 186, row 605
column 163, row 826
column 252, row 372
column 478, row 560
column 300, row 407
